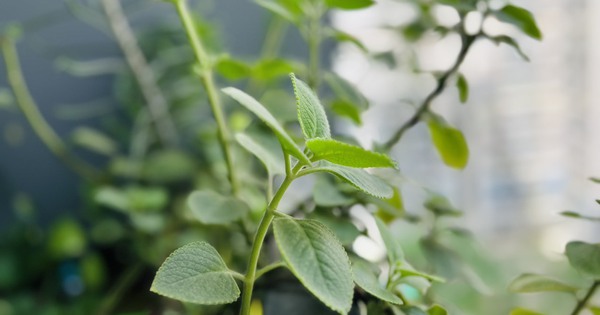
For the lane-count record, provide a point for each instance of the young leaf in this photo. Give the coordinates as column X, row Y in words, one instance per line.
column 437, row 310
column 311, row 113
column 594, row 309
column 232, row 69
column 211, row 208
column 394, row 251
column 523, row 311
column 266, row 151
column 527, row 283
column 450, row 143
column 346, row 109
column 279, row 9
column 346, row 154
column 463, row 88
column 511, row 42
column 367, row 280
column 406, row 270
column 94, row 140
column 584, row 257
column 346, row 37
column 349, row 4
column 254, row 106
column 272, row 68
column 358, row 178
column 317, row 259
column 520, row 18
column 440, row 206
column 196, row 273
column 327, row 194
column 572, row 214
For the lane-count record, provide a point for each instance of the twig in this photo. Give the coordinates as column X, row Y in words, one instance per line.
column 467, row 42
column 157, row 104
column 583, row 302
column 33, row 115
column 117, row 292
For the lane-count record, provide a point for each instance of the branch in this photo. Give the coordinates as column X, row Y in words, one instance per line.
column 467, row 42
column 583, row 302
column 157, row 104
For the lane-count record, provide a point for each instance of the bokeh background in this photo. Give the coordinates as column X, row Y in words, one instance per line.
column 531, row 126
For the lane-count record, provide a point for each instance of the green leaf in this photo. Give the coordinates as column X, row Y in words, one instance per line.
column 67, row 239
column 367, row 280
column 594, row 309
column 450, row 143
column 272, row 68
column 358, row 178
column 327, row 194
column 463, row 88
column 317, row 259
column 342, row 227
column 132, row 198
column 441, row 206
column 394, row 251
column 94, row 140
column 196, row 273
column 210, row 207
column 584, row 257
column 279, row 9
column 346, row 154
column 406, row 270
column 528, row 282
column 349, row 38
column 595, row 180
column 572, row 214
column 232, row 69
column 345, row 90
column 412, row 310
column 167, row 166
column 511, row 42
column 347, row 109
column 311, row 113
column 520, row 18
column 349, row 4
column 255, row 107
column 437, row 310
column 523, row 311
column 267, row 151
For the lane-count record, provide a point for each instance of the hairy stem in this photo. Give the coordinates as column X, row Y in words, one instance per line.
column 206, row 76
column 261, row 233
column 467, row 42
column 157, row 104
column 33, row 115
column 583, row 302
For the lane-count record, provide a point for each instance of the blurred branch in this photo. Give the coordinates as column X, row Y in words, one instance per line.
column 31, row 111
column 119, row 290
column 583, row 302
column 467, row 41
column 157, row 104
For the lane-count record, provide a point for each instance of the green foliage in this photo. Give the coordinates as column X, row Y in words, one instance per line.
column 210, row 207
column 394, row 251
column 463, row 88
column 349, row 4
column 520, row 18
column 196, row 273
column 311, row 113
column 318, row 260
column 584, row 257
column 527, row 283
column 346, row 154
column 366, row 278
column 267, row 151
column 358, row 178
column 523, row 311
column 449, row 143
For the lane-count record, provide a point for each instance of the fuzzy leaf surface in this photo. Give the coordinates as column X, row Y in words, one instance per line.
column 358, row 178
column 259, row 110
column 345, row 154
column 196, row 273
column 311, row 113
column 317, row 259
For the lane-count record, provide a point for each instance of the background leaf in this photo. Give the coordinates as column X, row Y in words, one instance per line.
column 358, row 178
column 394, row 251
column 463, row 88
column 584, row 257
column 196, row 273
column 317, row 259
column 349, row 4
column 527, row 283
column 311, row 113
column 255, row 107
column 437, row 310
column 210, row 207
column 367, row 280
column 267, row 151
column 450, row 143
column 523, row 311
column 346, row 154
column 520, row 18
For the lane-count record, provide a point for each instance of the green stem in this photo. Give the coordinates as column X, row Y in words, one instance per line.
column 117, row 292
column 423, row 109
column 206, row 76
column 274, row 37
column 261, row 233
column 583, row 302
column 35, row 118
column 268, row 268
column 157, row 104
